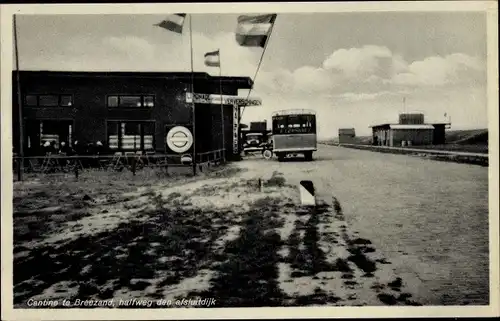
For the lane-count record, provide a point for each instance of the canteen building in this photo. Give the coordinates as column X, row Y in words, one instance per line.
column 126, row 111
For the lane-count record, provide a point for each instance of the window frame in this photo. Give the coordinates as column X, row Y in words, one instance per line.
column 141, row 96
column 70, row 100
column 57, row 103
column 38, row 104
column 25, row 101
column 289, row 129
column 117, row 123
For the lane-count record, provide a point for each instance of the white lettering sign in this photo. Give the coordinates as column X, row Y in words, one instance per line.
column 236, row 122
column 226, row 100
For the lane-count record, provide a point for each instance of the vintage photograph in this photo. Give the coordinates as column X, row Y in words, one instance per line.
column 177, row 159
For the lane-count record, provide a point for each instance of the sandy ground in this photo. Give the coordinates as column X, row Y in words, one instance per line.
column 428, row 218
column 224, row 236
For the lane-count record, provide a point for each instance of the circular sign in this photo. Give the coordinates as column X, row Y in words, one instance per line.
column 179, row 139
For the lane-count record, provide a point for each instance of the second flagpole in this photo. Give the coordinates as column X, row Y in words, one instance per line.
column 192, row 91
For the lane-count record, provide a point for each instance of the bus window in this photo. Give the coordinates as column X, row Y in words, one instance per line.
column 294, row 124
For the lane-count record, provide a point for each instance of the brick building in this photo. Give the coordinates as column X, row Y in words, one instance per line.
column 124, row 110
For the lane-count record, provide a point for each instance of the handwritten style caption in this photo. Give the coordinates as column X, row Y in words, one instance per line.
column 117, row 303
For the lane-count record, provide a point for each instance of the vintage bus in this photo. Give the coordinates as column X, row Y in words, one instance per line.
column 294, row 133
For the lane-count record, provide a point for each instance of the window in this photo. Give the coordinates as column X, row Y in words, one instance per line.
column 149, row 101
column 131, row 135
column 113, row 135
column 33, row 100
column 148, row 132
column 48, row 100
column 129, row 101
column 112, row 101
column 66, row 100
column 294, row 124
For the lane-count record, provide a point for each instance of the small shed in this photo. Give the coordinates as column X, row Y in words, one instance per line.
column 402, row 134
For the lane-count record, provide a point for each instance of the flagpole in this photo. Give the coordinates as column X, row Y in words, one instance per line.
column 260, row 61
column 192, row 91
column 20, row 163
column 222, row 109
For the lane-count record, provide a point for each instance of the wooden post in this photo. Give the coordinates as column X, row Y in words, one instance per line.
column 192, row 92
column 133, row 165
column 76, row 169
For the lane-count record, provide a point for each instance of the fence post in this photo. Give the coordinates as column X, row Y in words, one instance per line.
column 133, row 165
column 19, row 169
column 76, row 169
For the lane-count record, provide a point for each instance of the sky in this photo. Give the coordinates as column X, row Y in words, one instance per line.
column 354, row 69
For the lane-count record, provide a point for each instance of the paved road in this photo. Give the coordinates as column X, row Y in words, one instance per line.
column 429, row 218
column 424, row 150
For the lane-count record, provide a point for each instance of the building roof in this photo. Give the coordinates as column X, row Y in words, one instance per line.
column 241, row 82
column 286, row 112
column 409, row 126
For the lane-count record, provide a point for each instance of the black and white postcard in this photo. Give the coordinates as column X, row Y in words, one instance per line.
column 180, row 161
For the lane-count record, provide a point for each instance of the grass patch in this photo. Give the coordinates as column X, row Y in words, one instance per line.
column 310, row 259
column 121, row 255
column 362, row 262
column 248, row 275
column 387, row 299
column 36, row 226
column 319, row 297
column 276, row 179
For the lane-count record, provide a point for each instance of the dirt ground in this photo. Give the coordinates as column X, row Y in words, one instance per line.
column 222, row 235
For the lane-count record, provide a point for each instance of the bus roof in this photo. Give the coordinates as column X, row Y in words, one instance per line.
column 294, row 112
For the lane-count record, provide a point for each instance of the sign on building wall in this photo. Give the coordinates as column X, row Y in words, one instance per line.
column 226, row 100
column 236, row 122
column 179, row 139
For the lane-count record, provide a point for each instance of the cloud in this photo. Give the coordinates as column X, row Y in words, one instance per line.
column 363, row 70
column 370, row 73
column 352, row 87
column 359, row 63
column 440, row 71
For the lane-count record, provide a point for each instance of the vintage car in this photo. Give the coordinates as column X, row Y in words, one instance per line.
column 253, row 142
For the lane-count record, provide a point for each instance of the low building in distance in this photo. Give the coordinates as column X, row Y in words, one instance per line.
column 410, row 131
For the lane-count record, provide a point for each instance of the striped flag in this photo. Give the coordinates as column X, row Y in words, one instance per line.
column 254, row 30
column 212, row 59
column 174, row 22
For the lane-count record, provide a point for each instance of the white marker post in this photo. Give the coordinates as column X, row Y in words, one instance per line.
column 307, row 197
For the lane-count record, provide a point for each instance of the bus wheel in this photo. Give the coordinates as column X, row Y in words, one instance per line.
column 309, row 156
column 267, row 154
column 280, row 157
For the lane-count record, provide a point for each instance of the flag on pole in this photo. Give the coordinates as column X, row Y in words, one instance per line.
column 253, row 30
column 212, row 59
column 174, row 22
